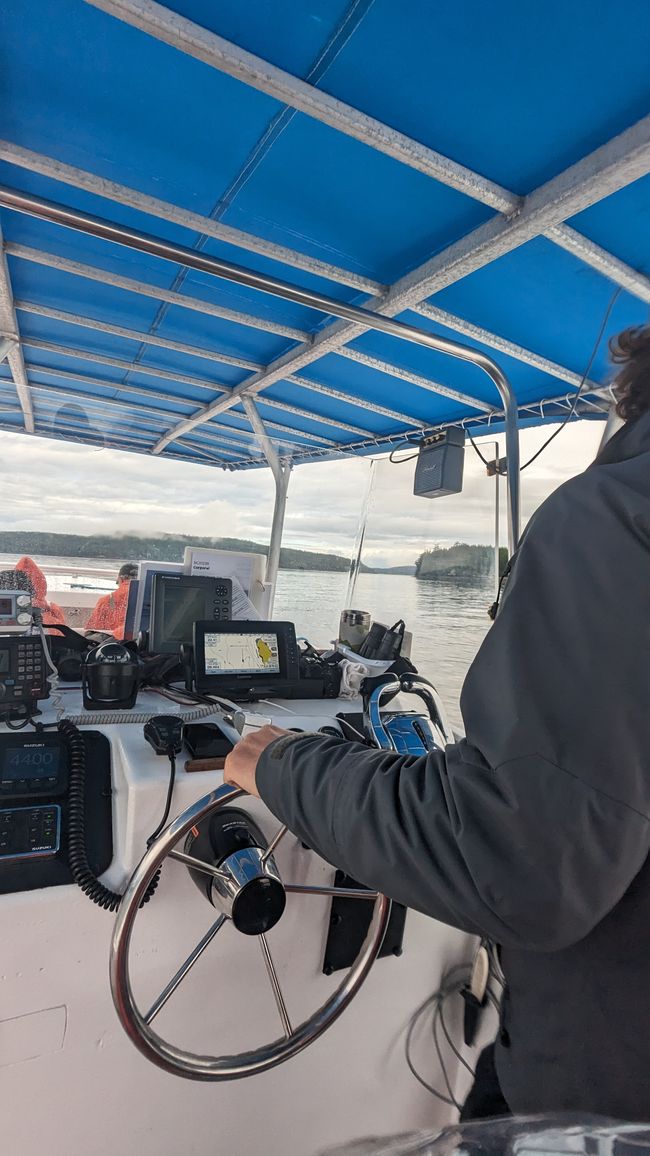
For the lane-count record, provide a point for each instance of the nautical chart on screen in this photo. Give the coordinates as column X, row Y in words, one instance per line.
column 241, row 654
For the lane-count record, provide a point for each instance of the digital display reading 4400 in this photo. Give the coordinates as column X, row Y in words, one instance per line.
column 30, row 763
column 241, row 653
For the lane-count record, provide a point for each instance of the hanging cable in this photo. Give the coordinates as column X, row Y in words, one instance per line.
column 576, row 398
column 453, row 983
column 474, row 446
column 402, row 445
column 168, row 803
column 583, row 380
column 53, row 676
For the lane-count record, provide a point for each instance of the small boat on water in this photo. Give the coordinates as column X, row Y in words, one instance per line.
column 248, row 236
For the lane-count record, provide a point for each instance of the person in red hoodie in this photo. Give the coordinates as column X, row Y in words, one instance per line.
column 109, row 614
column 53, row 615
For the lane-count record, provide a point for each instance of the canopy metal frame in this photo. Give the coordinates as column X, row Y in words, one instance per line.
column 517, row 220
column 91, row 225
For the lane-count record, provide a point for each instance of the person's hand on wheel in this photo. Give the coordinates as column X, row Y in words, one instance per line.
column 241, row 763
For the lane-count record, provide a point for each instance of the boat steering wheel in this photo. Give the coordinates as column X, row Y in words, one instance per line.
column 247, row 890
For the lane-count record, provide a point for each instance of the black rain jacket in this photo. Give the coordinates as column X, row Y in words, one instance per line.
column 533, row 830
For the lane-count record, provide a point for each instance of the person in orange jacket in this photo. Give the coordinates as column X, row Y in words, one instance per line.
column 53, row 615
column 109, row 614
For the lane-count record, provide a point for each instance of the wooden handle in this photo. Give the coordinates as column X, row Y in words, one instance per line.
column 205, row 764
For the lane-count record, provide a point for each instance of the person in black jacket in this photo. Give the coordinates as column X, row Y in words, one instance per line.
column 534, row 830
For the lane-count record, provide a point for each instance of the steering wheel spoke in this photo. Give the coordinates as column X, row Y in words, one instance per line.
column 183, row 970
column 333, row 892
column 196, row 864
column 273, row 844
column 275, row 985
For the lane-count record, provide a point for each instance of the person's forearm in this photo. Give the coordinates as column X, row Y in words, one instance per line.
column 342, row 800
column 524, row 853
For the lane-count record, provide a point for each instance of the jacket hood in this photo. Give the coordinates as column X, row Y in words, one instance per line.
column 36, row 577
column 53, row 614
column 628, row 442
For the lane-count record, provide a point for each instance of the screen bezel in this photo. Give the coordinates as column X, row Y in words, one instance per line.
column 12, row 742
column 287, row 653
column 159, row 641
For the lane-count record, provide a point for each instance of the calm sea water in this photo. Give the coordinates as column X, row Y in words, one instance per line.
column 448, row 621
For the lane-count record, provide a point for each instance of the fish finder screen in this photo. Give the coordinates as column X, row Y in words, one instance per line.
column 182, row 607
column 4, row 661
column 6, row 607
column 241, row 654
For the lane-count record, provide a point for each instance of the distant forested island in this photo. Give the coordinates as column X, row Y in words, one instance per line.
column 460, row 562
column 166, row 548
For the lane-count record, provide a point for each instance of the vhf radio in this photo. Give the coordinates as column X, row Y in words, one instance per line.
column 15, row 610
column 23, row 675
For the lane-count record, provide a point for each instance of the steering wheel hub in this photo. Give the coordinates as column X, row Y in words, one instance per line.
column 249, row 891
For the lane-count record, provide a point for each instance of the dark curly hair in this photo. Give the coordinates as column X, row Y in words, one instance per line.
column 631, row 350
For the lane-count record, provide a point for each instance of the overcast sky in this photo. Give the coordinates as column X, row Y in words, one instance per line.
column 69, row 488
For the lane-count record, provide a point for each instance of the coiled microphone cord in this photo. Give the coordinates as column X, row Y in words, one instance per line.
column 82, row 872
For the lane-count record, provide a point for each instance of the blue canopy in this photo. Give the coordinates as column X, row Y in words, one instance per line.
column 478, row 170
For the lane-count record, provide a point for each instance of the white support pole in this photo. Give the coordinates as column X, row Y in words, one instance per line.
column 14, row 354
column 277, row 526
column 281, row 470
column 6, row 344
column 265, row 443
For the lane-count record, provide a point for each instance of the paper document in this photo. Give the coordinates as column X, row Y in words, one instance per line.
column 248, row 569
column 242, row 607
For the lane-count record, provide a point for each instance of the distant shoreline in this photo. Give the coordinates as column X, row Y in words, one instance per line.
column 167, row 548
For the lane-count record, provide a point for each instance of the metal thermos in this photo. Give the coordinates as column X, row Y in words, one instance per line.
column 353, row 628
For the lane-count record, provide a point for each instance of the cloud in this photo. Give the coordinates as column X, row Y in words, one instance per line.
column 60, row 486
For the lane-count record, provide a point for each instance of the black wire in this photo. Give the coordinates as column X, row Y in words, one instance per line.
column 14, row 726
column 449, row 986
column 399, row 461
column 477, row 450
column 184, row 697
column 170, row 791
column 585, row 375
column 439, row 1054
column 576, row 398
column 407, row 1052
column 461, row 1059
